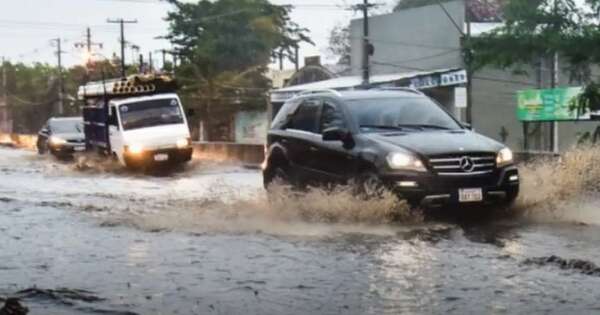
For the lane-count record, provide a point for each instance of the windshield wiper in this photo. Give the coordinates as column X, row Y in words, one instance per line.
column 383, row 127
column 424, row 126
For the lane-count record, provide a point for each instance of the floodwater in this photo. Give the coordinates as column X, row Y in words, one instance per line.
column 91, row 239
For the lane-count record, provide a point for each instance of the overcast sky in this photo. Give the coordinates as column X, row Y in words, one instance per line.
column 27, row 26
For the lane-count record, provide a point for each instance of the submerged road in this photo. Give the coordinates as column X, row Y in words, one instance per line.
column 97, row 240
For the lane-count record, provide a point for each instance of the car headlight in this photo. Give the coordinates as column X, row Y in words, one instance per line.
column 135, row 149
column 505, row 157
column 405, row 161
column 57, row 140
column 183, row 143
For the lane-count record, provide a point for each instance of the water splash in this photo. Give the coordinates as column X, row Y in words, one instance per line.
column 554, row 189
column 282, row 211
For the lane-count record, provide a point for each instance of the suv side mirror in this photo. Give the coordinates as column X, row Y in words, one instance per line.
column 336, row 134
column 191, row 112
column 45, row 131
column 467, row 126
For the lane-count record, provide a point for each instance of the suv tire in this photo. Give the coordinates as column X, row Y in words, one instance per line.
column 369, row 185
column 279, row 175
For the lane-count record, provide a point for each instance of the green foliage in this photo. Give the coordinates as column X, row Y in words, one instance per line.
column 32, row 90
column 533, row 29
column 542, row 28
column 228, row 43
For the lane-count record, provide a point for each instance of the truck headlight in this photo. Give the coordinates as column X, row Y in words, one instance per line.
column 183, row 143
column 135, row 149
column 405, row 161
column 505, row 157
column 57, row 140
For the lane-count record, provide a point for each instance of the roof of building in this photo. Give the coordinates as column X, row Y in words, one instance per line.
column 349, row 82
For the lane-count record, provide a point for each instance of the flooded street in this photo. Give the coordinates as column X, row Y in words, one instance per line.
column 206, row 241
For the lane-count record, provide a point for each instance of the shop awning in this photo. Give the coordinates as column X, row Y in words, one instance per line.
column 416, row 79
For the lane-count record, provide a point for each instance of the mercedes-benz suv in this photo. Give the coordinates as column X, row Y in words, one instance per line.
column 398, row 139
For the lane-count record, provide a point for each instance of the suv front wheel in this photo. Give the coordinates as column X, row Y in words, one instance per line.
column 278, row 174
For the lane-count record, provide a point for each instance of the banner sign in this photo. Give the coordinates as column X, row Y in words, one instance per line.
column 550, row 105
column 454, row 78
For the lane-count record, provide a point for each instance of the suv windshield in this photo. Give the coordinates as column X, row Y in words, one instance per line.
column 400, row 113
column 150, row 113
column 67, row 126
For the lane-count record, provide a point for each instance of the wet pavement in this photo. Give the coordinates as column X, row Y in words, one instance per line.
column 205, row 240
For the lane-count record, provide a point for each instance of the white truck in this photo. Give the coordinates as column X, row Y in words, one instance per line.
column 138, row 120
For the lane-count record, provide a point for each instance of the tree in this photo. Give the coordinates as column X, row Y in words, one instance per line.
column 339, row 44
column 225, row 47
column 228, row 43
column 543, row 28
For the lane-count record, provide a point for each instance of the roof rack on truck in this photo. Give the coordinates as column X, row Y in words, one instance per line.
column 135, row 85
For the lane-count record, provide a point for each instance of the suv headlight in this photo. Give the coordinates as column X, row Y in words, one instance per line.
column 405, row 161
column 504, row 157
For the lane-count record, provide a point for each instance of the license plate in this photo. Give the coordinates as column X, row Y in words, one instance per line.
column 79, row 149
column 161, row 157
column 470, row 195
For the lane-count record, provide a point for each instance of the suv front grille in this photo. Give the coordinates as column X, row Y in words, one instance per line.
column 463, row 164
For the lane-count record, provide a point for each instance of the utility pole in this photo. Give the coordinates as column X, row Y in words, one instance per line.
column 88, row 45
column 61, row 85
column 122, row 23
column 141, row 70
column 367, row 47
column 4, row 92
column 553, row 85
column 468, row 67
column 164, row 58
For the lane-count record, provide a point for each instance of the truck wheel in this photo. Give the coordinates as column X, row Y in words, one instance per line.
column 42, row 148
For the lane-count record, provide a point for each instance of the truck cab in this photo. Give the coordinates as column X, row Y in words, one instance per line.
column 139, row 121
column 149, row 130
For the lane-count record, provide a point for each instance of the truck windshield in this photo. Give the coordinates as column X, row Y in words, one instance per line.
column 410, row 113
column 150, row 114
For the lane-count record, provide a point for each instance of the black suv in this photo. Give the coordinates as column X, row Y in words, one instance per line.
column 399, row 139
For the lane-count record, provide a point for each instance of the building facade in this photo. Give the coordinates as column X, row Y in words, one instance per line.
column 427, row 38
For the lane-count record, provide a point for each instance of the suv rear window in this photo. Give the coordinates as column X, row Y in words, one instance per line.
column 305, row 118
column 282, row 116
column 331, row 117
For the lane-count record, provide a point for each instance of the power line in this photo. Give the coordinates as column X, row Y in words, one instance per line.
column 426, row 57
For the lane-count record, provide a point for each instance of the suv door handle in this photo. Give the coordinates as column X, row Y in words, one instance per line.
column 314, row 149
column 284, row 141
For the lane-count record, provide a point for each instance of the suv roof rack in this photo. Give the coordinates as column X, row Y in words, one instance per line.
column 317, row 91
column 399, row 88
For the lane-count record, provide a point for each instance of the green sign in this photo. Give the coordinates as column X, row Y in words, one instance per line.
column 549, row 105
